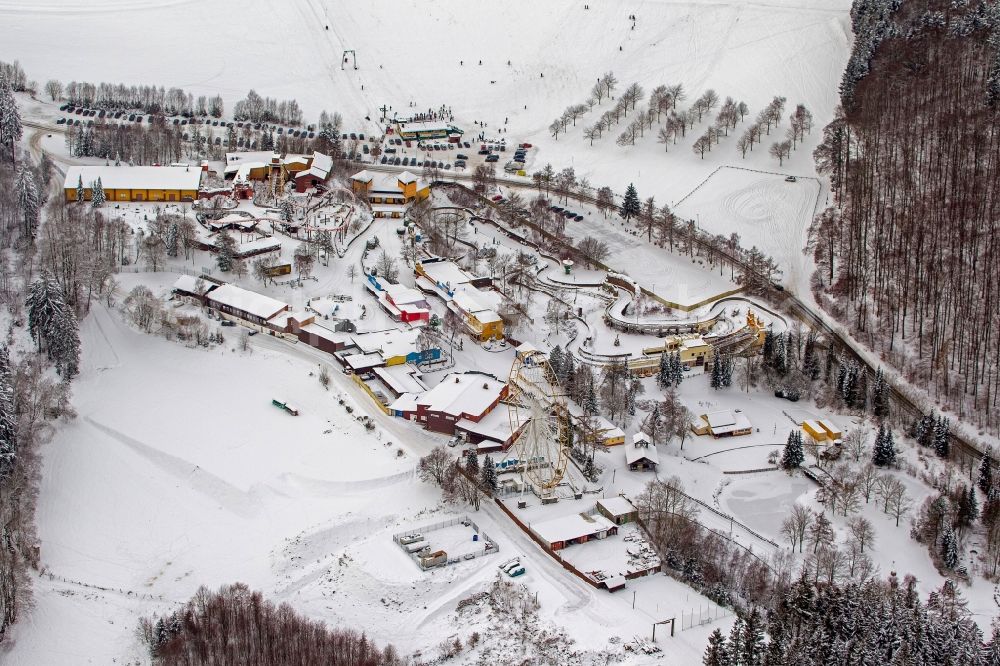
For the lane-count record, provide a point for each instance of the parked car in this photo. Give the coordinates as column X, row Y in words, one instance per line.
column 226, row 322
column 492, row 158
column 790, row 179
column 578, row 218
column 61, row 121
column 498, row 197
column 460, row 163
column 460, row 156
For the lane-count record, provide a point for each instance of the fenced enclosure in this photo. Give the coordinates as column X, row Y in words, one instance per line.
column 704, row 614
column 446, row 542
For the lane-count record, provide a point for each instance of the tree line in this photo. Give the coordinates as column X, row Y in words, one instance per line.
column 907, row 254
column 237, row 625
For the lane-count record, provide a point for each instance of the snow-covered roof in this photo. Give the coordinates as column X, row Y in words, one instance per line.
column 725, row 421
column 363, row 361
column 401, row 379
column 323, row 332
column 232, row 220
column 392, row 342
column 570, row 527
column 445, row 272
column 135, row 177
column 322, row 162
column 721, row 418
column 426, row 126
column 406, row 178
column 405, row 403
column 640, row 438
column 401, row 295
column 495, row 426
column 617, row 505
column 466, row 298
column 259, row 245
column 312, row 172
column 691, row 343
column 251, row 302
column 635, row 453
column 266, row 156
column 192, row 285
column 363, row 176
column 295, row 159
column 525, row 347
column 468, row 393
column 614, row 433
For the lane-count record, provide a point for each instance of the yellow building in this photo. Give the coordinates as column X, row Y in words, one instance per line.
column 387, row 193
column 692, row 349
column 815, row 430
column 143, row 183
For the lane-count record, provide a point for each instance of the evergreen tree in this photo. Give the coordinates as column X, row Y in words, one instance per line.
column 27, row 200
column 793, row 455
column 172, row 241
column 752, row 648
column 779, row 359
column 727, row 371
column 880, row 396
column 664, row 377
column 942, row 445
column 488, row 475
column 11, row 130
column 631, row 205
column 986, row 470
column 556, row 362
column 472, row 461
column 716, row 654
column 924, row 431
column 884, row 451
column 828, row 365
column 677, row 368
column 968, row 507
column 631, row 391
column 767, row 352
column 8, row 416
column 810, row 362
column 590, row 402
column 861, row 392
column 52, row 323
column 79, row 189
column 949, row 546
column 991, row 650
column 716, row 380
column 97, row 197
column 225, row 249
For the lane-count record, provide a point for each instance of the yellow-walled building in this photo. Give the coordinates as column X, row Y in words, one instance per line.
column 142, row 183
column 388, row 194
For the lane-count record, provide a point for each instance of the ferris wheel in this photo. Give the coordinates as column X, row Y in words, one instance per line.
column 539, row 415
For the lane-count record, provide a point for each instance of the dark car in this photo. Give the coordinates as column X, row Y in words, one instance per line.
column 64, row 107
column 406, row 161
column 556, row 209
column 383, row 160
column 138, row 119
column 361, row 137
column 460, row 156
column 226, row 322
column 353, row 135
column 215, row 123
column 578, row 218
column 492, row 158
column 397, row 161
column 466, row 144
column 177, row 121
column 484, row 151
column 101, row 114
column 184, row 122
column 364, row 149
column 61, row 121
column 312, row 135
column 391, row 151
column 459, row 163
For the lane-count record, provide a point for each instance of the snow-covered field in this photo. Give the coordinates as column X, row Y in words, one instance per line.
column 428, row 54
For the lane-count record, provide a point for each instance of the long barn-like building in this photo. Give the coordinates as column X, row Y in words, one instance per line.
column 135, row 183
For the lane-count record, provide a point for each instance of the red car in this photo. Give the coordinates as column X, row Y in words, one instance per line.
column 498, row 197
column 524, row 145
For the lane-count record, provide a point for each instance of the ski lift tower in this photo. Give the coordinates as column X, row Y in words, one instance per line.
column 354, row 58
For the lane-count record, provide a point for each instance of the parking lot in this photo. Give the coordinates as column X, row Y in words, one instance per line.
column 463, row 156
